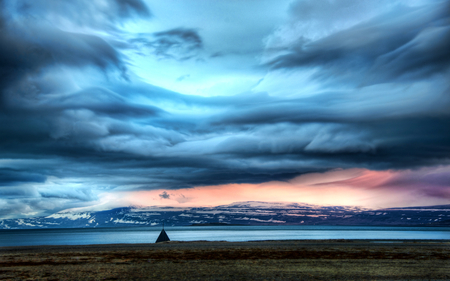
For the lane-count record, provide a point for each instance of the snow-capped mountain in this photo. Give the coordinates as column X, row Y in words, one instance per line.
column 243, row 213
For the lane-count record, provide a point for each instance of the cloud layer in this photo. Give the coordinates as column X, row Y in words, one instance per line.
column 333, row 85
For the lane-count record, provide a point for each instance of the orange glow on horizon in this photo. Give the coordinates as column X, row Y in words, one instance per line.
column 351, row 187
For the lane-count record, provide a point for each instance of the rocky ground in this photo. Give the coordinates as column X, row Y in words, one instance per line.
column 263, row 260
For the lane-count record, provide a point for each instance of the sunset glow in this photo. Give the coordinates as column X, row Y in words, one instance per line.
column 353, row 187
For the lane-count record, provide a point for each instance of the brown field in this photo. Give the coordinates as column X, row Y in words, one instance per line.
column 263, row 260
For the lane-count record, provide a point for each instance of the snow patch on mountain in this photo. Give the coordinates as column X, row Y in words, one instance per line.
column 127, row 221
column 70, row 216
column 21, row 222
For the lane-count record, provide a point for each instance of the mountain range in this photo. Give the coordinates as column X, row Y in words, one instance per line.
column 240, row 213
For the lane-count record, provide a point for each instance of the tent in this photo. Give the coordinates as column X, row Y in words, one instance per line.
column 162, row 236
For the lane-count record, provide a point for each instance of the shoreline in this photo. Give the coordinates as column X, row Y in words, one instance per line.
column 219, row 260
column 246, row 225
column 179, row 242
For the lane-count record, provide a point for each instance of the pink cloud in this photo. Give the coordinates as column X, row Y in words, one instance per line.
column 359, row 187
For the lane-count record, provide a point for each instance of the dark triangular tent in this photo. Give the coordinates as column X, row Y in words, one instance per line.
column 162, row 236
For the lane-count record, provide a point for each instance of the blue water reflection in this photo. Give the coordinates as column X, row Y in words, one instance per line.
column 86, row 236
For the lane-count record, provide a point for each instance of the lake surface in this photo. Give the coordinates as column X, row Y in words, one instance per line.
column 86, row 236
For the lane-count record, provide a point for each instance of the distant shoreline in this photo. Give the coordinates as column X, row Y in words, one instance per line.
column 225, row 224
column 203, row 243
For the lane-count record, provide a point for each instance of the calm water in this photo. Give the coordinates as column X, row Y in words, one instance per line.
column 85, row 236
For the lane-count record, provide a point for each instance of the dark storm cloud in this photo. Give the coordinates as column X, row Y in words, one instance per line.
column 21, row 55
column 179, row 43
column 94, row 13
column 408, row 43
column 126, row 8
column 75, row 121
column 75, row 194
column 14, row 177
column 39, row 103
column 30, row 43
column 102, row 101
column 164, row 195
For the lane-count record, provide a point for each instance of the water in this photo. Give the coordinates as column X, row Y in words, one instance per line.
column 86, row 236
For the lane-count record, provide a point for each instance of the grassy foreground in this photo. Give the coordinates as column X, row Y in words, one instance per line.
column 262, row 260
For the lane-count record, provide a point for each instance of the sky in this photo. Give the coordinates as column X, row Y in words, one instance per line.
column 110, row 103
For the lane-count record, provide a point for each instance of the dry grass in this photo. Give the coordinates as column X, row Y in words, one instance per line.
column 269, row 260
